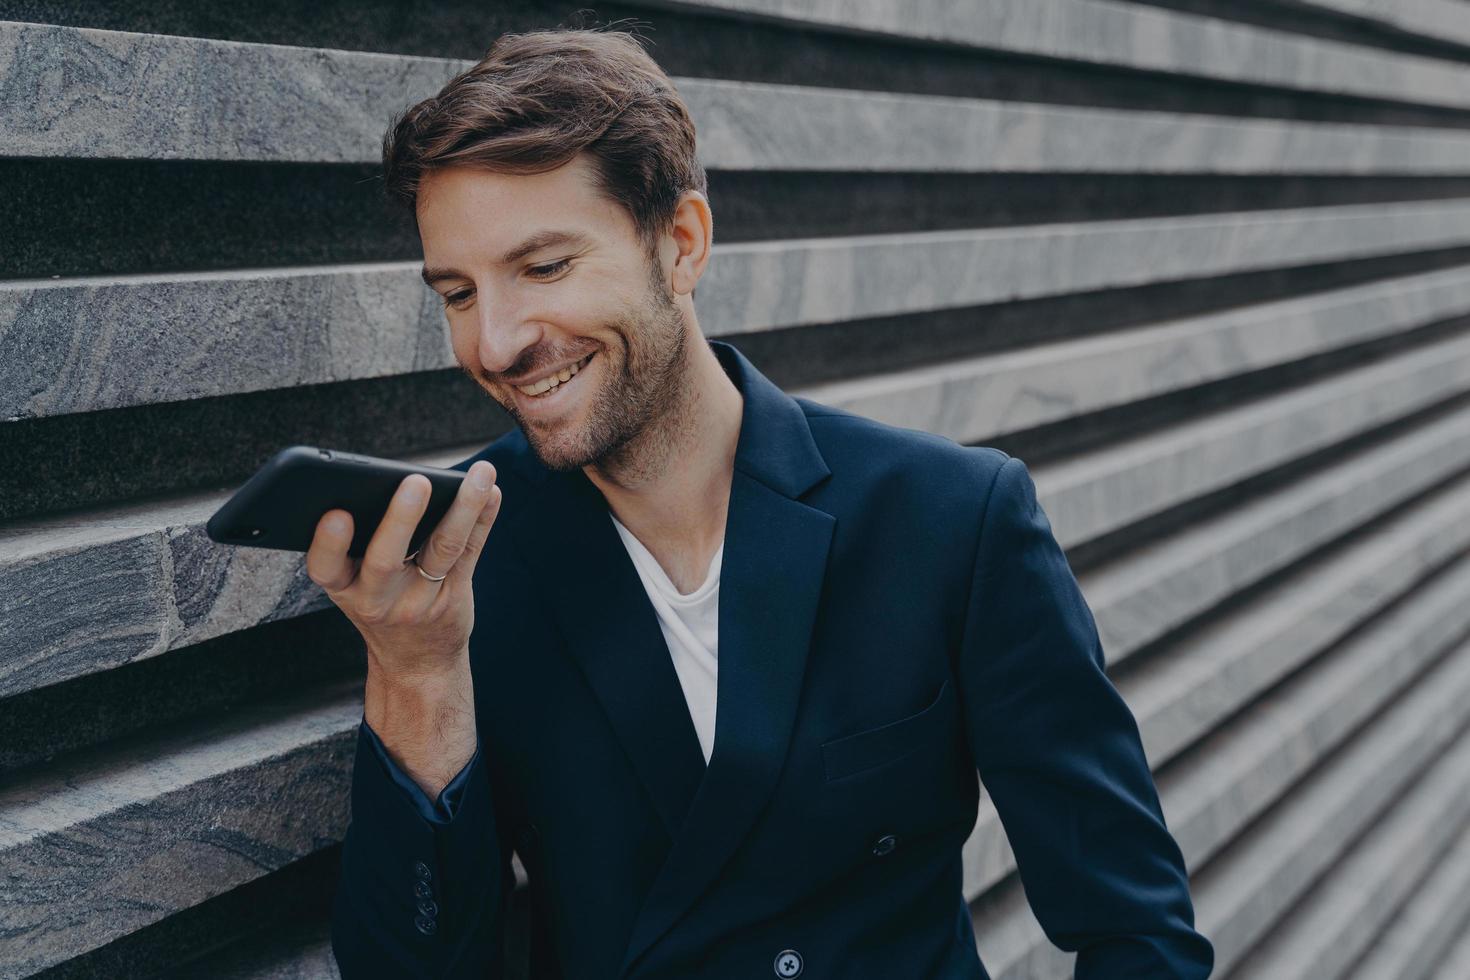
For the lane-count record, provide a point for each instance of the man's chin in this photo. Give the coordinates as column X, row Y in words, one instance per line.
column 551, row 453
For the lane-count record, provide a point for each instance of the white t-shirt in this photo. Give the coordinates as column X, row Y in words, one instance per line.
column 691, row 627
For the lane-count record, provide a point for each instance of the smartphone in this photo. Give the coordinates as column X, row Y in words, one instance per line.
column 280, row 506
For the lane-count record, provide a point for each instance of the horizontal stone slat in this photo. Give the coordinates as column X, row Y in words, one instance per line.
column 1236, row 775
column 84, row 345
column 245, row 101
column 1109, row 488
column 1445, row 20
column 1222, row 666
column 101, row 847
column 1139, row 597
column 1310, row 714
column 1128, row 35
column 1456, row 964
column 1424, row 929
column 1337, row 922
column 1263, row 873
column 1213, row 672
column 84, row 93
column 997, row 394
column 751, row 126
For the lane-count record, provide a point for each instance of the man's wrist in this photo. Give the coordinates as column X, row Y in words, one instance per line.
column 426, row 722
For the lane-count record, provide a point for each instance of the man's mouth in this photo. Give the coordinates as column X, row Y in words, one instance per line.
column 555, row 381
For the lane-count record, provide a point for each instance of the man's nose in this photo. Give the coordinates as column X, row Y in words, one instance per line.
column 504, row 333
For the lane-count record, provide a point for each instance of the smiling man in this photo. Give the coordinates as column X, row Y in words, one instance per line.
column 580, row 334
column 720, row 665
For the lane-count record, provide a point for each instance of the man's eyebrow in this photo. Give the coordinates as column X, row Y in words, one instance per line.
column 538, row 241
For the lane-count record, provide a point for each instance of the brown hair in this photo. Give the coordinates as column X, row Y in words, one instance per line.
column 538, row 99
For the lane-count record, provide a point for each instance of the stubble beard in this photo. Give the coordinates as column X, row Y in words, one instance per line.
column 642, row 414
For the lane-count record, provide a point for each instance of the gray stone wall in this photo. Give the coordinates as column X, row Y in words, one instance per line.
column 1204, row 265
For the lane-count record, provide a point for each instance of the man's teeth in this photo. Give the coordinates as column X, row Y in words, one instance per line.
column 548, row 383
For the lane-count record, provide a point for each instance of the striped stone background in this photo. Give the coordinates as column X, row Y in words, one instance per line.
column 1203, row 264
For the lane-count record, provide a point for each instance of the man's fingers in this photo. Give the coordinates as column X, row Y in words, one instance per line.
column 447, row 543
column 464, row 568
column 385, row 553
column 327, row 562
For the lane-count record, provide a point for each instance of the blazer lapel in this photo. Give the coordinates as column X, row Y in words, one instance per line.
column 771, row 577
column 770, row 584
column 613, row 634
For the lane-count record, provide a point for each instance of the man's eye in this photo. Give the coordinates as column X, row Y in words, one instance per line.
column 544, row 271
column 454, row 299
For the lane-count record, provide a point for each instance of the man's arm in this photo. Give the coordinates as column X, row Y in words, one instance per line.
column 419, row 895
column 1060, row 755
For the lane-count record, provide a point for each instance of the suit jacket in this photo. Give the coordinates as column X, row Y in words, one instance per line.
column 895, row 615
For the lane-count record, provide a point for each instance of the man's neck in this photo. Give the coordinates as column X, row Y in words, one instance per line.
column 673, row 488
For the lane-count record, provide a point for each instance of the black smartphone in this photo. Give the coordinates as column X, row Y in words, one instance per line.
column 280, row 506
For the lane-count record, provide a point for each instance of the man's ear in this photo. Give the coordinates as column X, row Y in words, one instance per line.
column 692, row 232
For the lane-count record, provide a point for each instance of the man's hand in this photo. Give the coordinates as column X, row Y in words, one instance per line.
column 419, row 696
column 413, row 627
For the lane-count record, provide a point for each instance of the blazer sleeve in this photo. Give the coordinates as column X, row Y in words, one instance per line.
column 437, row 811
column 418, row 896
column 1060, row 754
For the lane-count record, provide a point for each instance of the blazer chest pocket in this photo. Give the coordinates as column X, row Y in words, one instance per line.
column 879, row 746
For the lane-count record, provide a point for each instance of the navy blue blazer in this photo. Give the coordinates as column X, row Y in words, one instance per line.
column 895, row 615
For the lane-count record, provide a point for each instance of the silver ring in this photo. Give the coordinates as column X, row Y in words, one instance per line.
column 415, row 559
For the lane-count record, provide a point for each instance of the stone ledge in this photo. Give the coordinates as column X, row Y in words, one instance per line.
column 1139, row 597
column 998, row 394
column 1338, row 921
column 1110, row 488
column 245, row 101
column 122, row 837
column 1456, row 963
column 1220, row 666
column 112, row 840
column 162, row 338
column 1443, row 20
column 109, row 94
column 1424, row 929
column 1125, row 35
column 1253, row 882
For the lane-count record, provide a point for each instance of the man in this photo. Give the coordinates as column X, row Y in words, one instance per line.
column 721, row 665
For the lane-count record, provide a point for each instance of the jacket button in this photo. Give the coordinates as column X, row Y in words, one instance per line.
column 885, row 845
column 788, row 964
column 425, row 925
column 427, row 907
column 421, row 889
column 421, row 871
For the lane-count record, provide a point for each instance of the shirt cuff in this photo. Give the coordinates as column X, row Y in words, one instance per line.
column 440, row 811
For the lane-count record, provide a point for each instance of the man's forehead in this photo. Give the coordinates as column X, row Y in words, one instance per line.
column 502, row 218
column 445, row 191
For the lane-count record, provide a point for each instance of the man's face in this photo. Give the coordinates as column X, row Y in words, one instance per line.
column 514, row 315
